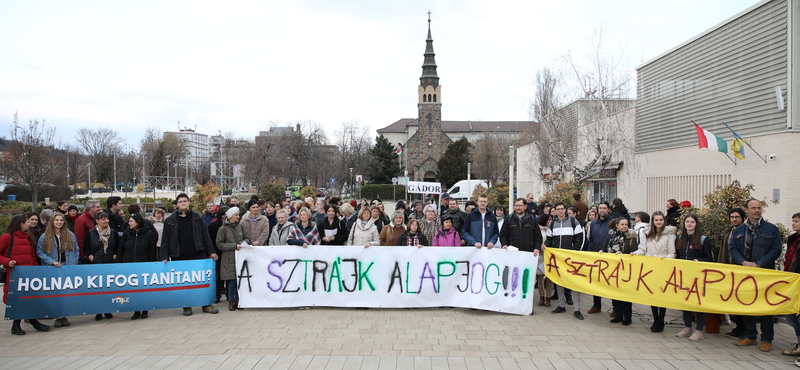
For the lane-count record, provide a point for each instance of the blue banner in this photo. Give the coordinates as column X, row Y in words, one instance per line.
column 47, row 291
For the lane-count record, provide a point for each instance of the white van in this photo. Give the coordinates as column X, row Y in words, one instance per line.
column 460, row 191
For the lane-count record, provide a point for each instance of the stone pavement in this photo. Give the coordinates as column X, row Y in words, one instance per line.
column 338, row 338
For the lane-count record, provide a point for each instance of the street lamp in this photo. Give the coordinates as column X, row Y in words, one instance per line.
column 351, row 182
column 176, row 177
column 89, row 173
column 144, row 177
column 167, row 157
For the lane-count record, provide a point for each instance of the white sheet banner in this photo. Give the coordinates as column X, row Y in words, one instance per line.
column 392, row 277
column 417, row 187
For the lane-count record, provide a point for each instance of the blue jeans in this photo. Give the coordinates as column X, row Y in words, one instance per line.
column 750, row 331
column 701, row 320
column 794, row 321
column 233, row 293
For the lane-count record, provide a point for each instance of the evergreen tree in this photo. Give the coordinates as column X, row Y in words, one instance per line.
column 384, row 162
column 453, row 165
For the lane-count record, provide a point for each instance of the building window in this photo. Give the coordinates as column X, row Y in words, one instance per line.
column 434, row 98
column 424, row 98
column 429, row 98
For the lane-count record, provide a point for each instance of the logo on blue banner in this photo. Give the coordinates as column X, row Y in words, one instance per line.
column 47, row 291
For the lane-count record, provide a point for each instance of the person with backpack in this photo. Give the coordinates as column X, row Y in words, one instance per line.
column 621, row 240
column 692, row 245
column 565, row 232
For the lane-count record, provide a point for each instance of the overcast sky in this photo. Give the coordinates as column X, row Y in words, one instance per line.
column 240, row 65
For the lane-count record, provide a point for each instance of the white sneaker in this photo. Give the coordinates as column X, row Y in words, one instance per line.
column 697, row 335
column 684, row 333
column 797, row 362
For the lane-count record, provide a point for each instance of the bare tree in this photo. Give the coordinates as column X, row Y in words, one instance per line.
column 100, row 145
column 157, row 146
column 31, row 160
column 354, row 142
column 589, row 133
column 75, row 163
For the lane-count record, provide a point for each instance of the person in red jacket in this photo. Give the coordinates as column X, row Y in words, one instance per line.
column 17, row 248
column 84, row 223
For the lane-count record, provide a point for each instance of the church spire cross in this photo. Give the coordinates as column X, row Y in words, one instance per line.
column 429, row 75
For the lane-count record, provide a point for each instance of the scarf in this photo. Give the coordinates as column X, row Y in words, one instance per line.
column 104, row 234
column 616, row 241
column 791, row 256
column 751, row 233
column 412, row 240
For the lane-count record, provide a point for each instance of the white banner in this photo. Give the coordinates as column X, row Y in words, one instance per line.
column 417, row 187
column 392, row 277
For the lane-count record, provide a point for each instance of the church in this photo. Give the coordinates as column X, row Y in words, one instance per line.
column 424, row 140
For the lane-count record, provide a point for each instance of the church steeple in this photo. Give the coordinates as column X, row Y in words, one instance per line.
column 429, row 76
column 429, row 89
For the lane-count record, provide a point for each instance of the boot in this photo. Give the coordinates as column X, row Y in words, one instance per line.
column 547, row 302
column 231, row 305
column 541, row 301
column 39, row 326
column 16, row 329
column 658, row 326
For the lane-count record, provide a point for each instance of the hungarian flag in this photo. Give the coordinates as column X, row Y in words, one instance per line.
column 399, row 151
column 710, row 141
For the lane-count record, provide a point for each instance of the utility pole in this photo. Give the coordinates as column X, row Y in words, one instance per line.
column 510, row 178
column 115, row 170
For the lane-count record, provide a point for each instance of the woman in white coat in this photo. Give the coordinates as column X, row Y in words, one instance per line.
column 364, row 231
column 659, row 242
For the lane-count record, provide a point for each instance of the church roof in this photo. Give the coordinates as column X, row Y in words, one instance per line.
column 429, row 75
column 460, row 126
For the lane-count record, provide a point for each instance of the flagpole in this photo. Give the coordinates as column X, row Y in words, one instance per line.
column 726, row 154
column 745, row 142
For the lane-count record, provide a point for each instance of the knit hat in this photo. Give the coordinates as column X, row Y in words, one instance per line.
column 686, row 204
column 354, row 204
column 71, row 207
column 231, row 212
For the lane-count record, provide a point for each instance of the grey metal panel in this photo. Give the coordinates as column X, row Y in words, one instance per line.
column 728, row 74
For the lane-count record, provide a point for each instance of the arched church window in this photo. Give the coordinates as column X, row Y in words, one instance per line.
column 434, row 98
column 429, row 98
column 424, row 98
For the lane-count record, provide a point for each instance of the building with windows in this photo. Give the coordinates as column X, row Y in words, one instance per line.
column 196, row 143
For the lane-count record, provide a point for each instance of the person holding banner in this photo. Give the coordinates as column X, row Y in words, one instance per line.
column 100, row 246
column 58, row 247
column 480, row 227
column 137, row 244
column 229, row 239
column 17, row 249
column 521, row 231
column 693, row 245
column 391, row 233
column 257, row 225
column 430, row 224
column 597, row 235
column 790, row 265
column 412, row 237
column 364, row 231
column 657, row 240
column 565, row 232
column 281, row 230
column 304, row 232
column 621, row 240
column 332, row 228
column 447, row 236
column 756, row 243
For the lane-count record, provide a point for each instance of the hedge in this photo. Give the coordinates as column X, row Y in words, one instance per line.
column 382, row 191
column 55, row 193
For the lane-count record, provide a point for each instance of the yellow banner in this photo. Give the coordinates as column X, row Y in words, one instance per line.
column 677, row 284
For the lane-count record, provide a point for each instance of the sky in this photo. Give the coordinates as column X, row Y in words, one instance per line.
column 241, row 66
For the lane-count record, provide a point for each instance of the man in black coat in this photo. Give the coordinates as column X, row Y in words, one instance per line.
column 186, row 238
column 113, row 205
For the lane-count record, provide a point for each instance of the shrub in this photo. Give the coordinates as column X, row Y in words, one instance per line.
column 382, row 191
column 270, row 191
column 562, row 192
column 55, row 193
column 497, row 194
column 308, row 191
column 204, row 194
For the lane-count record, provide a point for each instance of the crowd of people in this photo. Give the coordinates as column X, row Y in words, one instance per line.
column 61, row 235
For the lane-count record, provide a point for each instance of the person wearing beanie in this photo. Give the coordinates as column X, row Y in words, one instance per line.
column 229, row 240
column 72, row 215
column 213, row 229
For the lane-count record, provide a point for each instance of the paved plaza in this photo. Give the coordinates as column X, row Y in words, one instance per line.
column 344, row 338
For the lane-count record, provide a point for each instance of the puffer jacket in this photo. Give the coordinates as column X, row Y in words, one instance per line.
column 629, row 242
column 228, row 236
column 137, row 246
column 361, row 235
column 521, row 232
column 280, row 234
column 257, row 229
column 23, row 253
column 449, row 238
column 662, row 247
column 93, row 246
column 48, row 259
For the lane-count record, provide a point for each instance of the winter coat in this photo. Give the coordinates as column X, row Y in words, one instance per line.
column 766, row 248
column 449, row 238
column 627, row 242
column 598, row 233
column 169, row 242
column 620, row 211
column 724, row 246
column 280, row 234
column 429, row 228
column 228, row 236
column 416, row 239
column 158, row 226
column 339, row 226
column 662, row 246
column 22, row 252
column 71, row 256
column 273, row 220
column 521, row 232
column 459, row 217
column 673, row 214
column 115, row 221
column 137, row 246
column 641, row 231
column 565, row 234
column 300, row 235
column 691, row 252
column 257, row 229
column 361, row 235
column 83, row 224
column 93, row 246
column 475, row 226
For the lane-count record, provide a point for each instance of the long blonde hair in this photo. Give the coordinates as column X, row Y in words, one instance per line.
column 64, row 235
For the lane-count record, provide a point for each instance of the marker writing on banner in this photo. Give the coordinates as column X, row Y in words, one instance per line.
column 57, row 283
